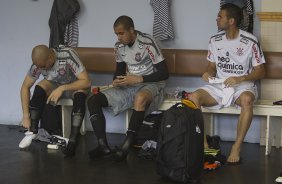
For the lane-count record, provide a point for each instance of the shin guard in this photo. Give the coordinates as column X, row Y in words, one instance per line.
column 77, row 115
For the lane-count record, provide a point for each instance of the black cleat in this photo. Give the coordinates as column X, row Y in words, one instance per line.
column 69, row 151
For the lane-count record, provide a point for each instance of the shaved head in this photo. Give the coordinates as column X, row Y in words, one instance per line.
column 42, row 56
column 40, row 53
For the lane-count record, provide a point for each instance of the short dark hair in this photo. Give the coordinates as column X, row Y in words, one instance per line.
column 233, row 11
column 124, row 20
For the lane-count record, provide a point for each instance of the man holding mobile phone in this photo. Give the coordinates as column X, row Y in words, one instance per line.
column 138, row 82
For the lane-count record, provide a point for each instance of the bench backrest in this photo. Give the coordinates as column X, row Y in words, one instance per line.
column 179, row 61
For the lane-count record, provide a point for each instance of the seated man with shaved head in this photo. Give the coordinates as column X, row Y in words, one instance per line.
column 63, row 75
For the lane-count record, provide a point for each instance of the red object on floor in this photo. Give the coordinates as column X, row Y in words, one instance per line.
column 95, row 90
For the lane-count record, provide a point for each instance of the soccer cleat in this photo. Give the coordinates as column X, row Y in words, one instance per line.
column 279, row 179
column 277, row 102
column 26, row 141
column 69, row 150
column 58, row 140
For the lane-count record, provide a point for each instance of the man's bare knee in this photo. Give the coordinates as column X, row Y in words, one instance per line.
column 142, row 99
column 47, row 86
column 246, row 100
column 201, row 97
column 195, row 96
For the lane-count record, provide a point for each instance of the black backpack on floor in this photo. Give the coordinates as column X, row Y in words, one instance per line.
column 149, row 129
column 180, row 146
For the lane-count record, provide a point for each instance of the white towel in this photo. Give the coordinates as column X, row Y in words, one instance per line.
column 228, row 92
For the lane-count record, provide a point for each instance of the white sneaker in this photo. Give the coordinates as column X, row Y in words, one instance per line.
column 279, row 179
column 26, row 141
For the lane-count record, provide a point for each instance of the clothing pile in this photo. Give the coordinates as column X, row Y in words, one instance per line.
column 212, row 156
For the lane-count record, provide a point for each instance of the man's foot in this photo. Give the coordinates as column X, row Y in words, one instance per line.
column 119, row 155
column 234, row 157
column 27, row 140
column 69, row 151
column 101, row 150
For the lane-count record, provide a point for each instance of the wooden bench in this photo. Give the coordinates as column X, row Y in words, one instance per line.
column 187, row 63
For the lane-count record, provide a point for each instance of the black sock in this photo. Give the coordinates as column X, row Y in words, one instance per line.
column 136, row 120
column 97, row 118
column 98, row 122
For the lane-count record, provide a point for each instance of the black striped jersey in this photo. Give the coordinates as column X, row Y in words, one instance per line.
column 65, row 69
column 235, row 57
column 141, row 56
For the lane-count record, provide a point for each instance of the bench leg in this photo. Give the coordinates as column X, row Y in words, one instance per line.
column 66, row 122
column 209, row 124
column 273, row 133
column 128, row 114
column 268, row 136
column 276, row 124
column 66, row 119
column 83, row 126
column 82, row 129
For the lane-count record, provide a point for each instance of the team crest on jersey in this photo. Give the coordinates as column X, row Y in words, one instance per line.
column 62, row 62
column 239, row 51
column 244, row 40
column 140, row 46
column 62, row 71
column 138, row 57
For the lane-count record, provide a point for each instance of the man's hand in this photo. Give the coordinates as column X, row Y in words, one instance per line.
column 206, row 76
column 55, row 95
column 231, row 81
column 26, row 122
column 127, row 80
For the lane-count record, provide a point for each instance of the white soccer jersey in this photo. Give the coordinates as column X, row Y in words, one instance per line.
column 64, row 71
column 235, row 57
column 141, row 56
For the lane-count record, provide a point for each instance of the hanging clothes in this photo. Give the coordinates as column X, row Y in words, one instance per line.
column 162, row 28
column 247, row 7
column 71, row 33
column 63, row 11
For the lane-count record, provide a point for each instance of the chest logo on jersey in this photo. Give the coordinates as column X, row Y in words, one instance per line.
column 218, row 38
column 62, row 71
column 239, row 51
column 226, row 66
column 138, row 57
